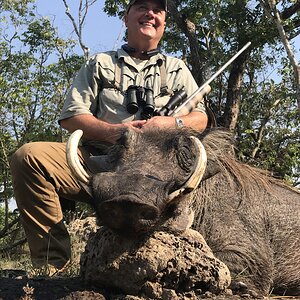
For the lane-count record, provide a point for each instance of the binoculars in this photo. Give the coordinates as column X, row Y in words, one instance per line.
column 138, row 96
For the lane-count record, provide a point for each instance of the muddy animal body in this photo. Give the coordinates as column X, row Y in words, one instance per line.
column 250, row 220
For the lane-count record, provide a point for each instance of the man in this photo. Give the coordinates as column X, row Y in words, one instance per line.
column 102, row 102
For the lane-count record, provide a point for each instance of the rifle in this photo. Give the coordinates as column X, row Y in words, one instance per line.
column 186, row 106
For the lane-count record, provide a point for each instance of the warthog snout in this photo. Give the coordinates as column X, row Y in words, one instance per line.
column 127, row 214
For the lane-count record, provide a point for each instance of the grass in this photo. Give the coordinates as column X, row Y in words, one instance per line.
column 21, row 260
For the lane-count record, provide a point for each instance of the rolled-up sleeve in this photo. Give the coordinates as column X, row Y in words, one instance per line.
column 83, row 94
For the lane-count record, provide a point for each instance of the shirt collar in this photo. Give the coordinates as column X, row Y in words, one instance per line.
column 122, row 55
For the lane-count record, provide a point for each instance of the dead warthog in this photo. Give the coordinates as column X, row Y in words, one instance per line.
column 150, row 181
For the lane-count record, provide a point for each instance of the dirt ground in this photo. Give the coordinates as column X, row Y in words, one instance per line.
column 74, row 288
column 46, row 289
column 52, row 289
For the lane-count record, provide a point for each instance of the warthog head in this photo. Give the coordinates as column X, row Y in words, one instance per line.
column 145, row 181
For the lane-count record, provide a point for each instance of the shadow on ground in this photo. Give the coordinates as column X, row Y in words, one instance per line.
column 75, row 289
column 47, row 289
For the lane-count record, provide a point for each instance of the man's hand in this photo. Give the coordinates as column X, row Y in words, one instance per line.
column 161, row 122
column 136, row 125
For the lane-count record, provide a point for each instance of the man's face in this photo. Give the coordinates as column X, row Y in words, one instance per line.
column 145, row 20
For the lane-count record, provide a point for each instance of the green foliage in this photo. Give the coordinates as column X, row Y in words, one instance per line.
column 268, row 129
column 17, row 7
column 39, row 33
column 37, row 67
column 10, row 231
column 2, row 216
column 34, row 82
column 115, row 8
column 36, row 70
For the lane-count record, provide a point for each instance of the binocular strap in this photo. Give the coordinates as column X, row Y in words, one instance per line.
column 163, row 76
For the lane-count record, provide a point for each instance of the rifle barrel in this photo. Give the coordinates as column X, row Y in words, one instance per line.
column 177, row 110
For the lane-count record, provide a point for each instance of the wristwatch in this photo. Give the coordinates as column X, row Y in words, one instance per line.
column 179, row 123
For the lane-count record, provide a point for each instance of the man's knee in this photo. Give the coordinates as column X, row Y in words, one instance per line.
column 20, row 158
column 28, row 158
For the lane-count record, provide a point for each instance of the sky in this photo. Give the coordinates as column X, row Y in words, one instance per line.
column 100, row 31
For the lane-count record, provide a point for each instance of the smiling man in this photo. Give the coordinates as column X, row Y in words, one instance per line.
column 112, row 92
column 145, row 21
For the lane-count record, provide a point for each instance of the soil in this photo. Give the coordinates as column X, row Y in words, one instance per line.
column 46, row 289
column 74, row 288
column 51, row 289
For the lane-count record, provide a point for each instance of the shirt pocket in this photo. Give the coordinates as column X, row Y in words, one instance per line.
column 174, row 77
column 112, row 106
column 107, row 74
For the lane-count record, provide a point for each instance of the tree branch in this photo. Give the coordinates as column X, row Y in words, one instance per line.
column 78, row 29
column 271, row 10
column 14, row 245
column 189, row 30
column 8, row 226
column 288, row 12
column 266, row 119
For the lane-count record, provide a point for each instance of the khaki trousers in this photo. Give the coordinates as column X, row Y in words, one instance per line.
column 40, row 178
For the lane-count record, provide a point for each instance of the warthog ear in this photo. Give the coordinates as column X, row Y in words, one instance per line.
column 95, row 164
column 200, row 163
column 219, row 144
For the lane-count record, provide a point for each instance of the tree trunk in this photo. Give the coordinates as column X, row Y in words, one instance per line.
column 189, row 29
column 232, row 107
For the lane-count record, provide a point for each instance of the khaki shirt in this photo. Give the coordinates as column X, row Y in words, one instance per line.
column 94, row 90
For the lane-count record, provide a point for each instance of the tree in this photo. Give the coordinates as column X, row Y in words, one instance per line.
column 37, row 68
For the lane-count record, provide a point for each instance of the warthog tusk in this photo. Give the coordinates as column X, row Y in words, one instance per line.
column 201, row 162
column 72, row 157
column 195, row 178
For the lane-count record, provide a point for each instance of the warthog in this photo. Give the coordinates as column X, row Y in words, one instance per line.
column 150, row 181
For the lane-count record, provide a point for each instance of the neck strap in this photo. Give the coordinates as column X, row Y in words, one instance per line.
column 147, row 54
